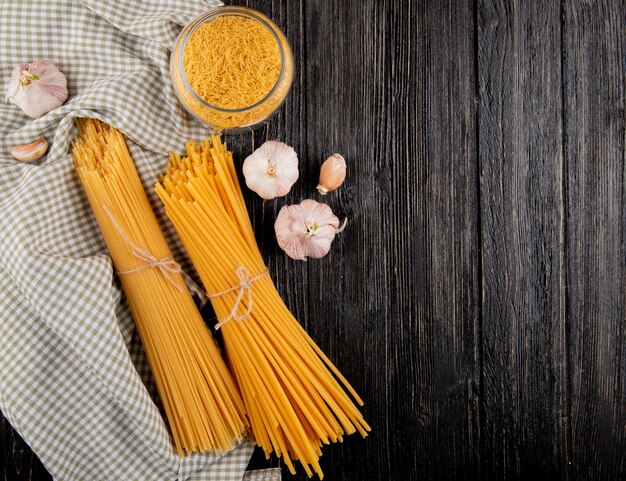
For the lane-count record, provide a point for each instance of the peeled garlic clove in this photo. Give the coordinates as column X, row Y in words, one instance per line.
column 332, row 174
column 271, row 170
column 30, row 152
column 37, row 87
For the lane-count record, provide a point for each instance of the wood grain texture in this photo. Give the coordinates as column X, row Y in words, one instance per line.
column 17, row 461
column 395, row 304
column 349, row 312
column 477, row 299
column 524, row 402
column 594, row 52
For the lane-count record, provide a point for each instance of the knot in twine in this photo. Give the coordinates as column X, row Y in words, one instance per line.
column 243, row 288
column 167, row 265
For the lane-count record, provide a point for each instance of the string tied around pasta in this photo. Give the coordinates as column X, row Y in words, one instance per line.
column 166, row 265
column 244, row 288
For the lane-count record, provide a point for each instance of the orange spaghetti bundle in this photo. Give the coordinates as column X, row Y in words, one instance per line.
column 290, row 389
column 201, row 400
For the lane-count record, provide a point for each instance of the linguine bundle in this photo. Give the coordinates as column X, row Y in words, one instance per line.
column 201, row 401
column 289, row 387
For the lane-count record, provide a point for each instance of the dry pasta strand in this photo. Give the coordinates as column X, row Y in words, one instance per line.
column 200, row 399
column 295, row 397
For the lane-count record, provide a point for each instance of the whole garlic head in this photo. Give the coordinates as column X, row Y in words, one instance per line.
column 307, row 229
column 37, row 87
column 271, row 170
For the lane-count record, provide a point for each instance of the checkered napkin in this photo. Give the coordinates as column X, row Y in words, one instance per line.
column 74, row 380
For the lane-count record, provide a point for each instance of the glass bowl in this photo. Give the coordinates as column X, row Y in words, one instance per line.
column 218, row 118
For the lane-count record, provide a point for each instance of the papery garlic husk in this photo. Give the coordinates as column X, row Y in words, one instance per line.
column 306, row 230
column 332, row 174
column 271, row 170
column 37, row 87
column 30, row 152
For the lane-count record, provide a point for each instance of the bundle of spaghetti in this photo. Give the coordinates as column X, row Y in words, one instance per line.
column 291, row 389
column 199, row 396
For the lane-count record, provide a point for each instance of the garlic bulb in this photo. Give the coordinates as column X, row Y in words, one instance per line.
column 306, row 230
column 332, row 174
column 30, row 152
column 271, row 170
column 37, row 88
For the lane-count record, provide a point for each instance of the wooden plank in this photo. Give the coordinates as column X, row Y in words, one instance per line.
column 595, row 146
column 287, row 125
column 390, row 85
column 524, row 404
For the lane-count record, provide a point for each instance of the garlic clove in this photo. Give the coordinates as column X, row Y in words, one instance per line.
column 306, row 230
column 291, row 232
column 271, row 170
column 294, row 247
column 320, row 212
column 37, row 87
column 319, row 246
column 29, row 152
column 332, row 174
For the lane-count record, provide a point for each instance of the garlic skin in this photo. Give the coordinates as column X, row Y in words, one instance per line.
column 332, row 174
column 306, row 230
column 30, row 152
column 271, row 170
column 37, row 87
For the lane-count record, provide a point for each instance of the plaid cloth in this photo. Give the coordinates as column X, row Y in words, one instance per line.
column 74, row 380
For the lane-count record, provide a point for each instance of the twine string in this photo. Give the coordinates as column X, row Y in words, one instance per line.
column 167, row 265
column 243, row 289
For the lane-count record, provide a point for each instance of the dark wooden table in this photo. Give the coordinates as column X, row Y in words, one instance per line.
column 477, row 300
